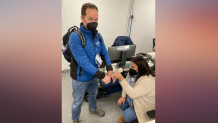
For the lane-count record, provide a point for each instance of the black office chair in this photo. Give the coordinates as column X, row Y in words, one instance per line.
column 153, row 44
column 151, row 114
column 122, row 40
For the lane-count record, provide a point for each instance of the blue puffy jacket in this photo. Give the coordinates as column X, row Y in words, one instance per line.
column 83, row 67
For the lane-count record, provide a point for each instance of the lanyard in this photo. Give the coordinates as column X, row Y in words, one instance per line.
column 132, row 81
column 96, row 50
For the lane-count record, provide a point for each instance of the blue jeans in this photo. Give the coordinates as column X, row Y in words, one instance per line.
column 128, row 112
column 79, row 89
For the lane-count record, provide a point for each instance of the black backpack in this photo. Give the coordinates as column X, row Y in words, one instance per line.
column 66, row 49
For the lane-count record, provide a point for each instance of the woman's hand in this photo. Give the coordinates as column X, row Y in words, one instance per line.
column 112, row 76
column 118, row 75
column 122, row 99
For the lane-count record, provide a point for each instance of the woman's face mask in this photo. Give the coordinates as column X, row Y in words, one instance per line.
column 134, row 69
column 132, row 72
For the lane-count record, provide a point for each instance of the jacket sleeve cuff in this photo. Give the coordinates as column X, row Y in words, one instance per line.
column 123, row 83
column 99, row 75
column 123, row 94
column 109, row 67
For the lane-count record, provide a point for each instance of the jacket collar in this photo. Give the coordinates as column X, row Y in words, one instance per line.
column 84, row 30
column 88, row 32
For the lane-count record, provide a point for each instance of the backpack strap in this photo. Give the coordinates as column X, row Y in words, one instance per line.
column 82, row 37
column 99, row 37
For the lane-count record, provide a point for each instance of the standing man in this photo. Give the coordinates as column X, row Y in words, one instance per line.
column 84, row 67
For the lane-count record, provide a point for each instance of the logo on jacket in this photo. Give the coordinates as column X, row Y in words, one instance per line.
column 97, row 43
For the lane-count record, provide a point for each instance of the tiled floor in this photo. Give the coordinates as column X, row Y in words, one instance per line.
column 107, row 104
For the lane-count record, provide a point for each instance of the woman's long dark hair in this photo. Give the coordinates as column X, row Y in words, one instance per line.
column 143, row 68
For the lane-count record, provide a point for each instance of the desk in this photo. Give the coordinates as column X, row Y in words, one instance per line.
column 126, row 69
column 152, row 57
column 152, row 54
column 150, row 63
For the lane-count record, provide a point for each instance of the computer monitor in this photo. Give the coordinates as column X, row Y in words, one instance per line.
column 115, row 55
column 121, row 56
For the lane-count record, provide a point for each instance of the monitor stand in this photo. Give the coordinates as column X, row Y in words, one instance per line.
column 123, row 60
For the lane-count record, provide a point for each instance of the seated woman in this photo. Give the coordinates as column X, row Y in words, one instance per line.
column 138, row 94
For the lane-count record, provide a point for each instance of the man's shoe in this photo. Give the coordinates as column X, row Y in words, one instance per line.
column 77, row 121
column 97, row 112
column 121, row 120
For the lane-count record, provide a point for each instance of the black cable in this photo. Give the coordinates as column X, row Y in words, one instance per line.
column 129, row 21
column 129, row 18
column 127, row 28
column 131, row 15
column 132, row 6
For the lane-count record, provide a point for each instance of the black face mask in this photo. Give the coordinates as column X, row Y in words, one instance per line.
column 132, row 72
column 92, row 26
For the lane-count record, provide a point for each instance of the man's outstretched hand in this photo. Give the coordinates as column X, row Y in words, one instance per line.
column 106, row 79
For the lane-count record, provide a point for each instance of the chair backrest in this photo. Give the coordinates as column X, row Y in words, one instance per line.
column 122, row 40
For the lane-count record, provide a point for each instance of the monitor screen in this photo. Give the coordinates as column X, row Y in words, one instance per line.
column 121, row 56
column 115, row 55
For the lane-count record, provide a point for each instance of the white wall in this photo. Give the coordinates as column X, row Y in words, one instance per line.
column 113, row 20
